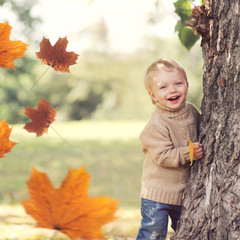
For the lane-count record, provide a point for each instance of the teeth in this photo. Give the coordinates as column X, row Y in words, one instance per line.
column 173, row 98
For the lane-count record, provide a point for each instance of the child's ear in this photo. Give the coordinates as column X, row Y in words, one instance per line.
column 152, row 96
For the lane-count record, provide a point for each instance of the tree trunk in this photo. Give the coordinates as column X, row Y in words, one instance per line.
column 211, row 207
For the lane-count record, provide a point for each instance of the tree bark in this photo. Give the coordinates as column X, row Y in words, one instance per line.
column 211, row 207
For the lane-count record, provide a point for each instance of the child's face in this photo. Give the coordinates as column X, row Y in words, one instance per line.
column 169, row 89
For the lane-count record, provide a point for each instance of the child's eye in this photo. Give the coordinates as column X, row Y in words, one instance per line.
column 163, row 87
column 179, row 83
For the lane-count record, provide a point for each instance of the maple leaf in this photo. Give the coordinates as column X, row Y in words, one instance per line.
column 5, row 143
column 191, row 150
column 41, row 117
column 56, row 56
column 68, row 209
column 9, row 50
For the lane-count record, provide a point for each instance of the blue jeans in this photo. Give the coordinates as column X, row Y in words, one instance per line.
column 154, row 225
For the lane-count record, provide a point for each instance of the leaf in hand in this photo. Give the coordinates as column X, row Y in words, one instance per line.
column 68, row 209
column 56, row 56
column 5, row 143
column 9, row 50
column 191, row 149
column 41, row 117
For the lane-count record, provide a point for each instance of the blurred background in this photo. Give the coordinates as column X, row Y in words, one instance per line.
column 116, row 41
column 101, row 105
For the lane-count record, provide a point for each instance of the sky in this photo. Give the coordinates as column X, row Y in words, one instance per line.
column 126, row 20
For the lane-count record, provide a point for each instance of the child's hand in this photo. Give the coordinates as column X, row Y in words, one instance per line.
column 197, row 150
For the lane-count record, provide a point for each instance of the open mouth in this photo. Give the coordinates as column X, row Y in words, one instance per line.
column 173, row 98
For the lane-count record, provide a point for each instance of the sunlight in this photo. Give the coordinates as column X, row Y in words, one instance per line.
column 126, row 21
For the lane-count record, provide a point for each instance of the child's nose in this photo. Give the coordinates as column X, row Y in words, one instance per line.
column 172, row 88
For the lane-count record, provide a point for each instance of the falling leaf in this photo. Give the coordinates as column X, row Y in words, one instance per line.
column 68, row 209
column 56, row 56
column 9, row 50
column 41, row 117
column 191, row 147
column 5, row 143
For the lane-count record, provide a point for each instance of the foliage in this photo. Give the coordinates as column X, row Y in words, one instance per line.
column 6, row 144
column 11, row 101
column 56, row 56
column 9, row 50
column 191, row 150
column 41, row 117
column 22, row 12
column 68, row 209
column 185, row 33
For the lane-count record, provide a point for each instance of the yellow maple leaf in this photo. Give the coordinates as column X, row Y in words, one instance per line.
column 5, row 143
column 68, row 209
column 9, row 50
column 191, row 149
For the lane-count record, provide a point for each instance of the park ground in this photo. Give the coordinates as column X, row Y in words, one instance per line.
column 111, row 153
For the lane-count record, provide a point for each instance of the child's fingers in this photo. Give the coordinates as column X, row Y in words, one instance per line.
column 198, row 153
column 197, row 145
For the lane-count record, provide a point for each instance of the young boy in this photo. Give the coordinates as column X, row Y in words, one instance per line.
column 166, row 148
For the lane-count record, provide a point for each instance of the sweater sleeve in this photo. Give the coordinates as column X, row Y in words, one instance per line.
column 156, row 142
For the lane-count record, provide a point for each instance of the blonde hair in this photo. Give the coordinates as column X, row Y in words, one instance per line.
column 165, row 64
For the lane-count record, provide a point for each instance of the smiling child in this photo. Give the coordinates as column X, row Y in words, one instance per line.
column 166, row 165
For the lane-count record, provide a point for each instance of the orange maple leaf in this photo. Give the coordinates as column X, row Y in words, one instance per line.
column 9, row 50
column 68, row 209
column 41, row 117
column 56, row 56
column 5, row 143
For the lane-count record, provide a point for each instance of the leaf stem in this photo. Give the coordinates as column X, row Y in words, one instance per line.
column 40, row 78
column 58, row 134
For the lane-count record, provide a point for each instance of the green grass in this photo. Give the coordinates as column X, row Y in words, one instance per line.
column 110, row 151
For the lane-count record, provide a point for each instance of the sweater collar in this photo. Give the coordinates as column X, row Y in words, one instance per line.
column 182, row 110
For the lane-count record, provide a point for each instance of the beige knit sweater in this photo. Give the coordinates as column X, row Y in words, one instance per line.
column 166, row 165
